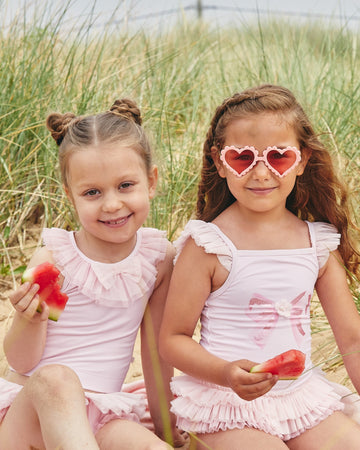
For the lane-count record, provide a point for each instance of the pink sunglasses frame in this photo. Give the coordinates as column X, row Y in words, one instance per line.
column 260, row 158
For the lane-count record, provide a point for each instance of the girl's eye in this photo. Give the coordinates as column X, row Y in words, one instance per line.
column 245, row 157
column 126, row 185
column 91, row 192
column 278, row 155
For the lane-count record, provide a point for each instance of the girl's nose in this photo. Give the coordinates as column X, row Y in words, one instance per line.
column 112, row 202
column 261, row 171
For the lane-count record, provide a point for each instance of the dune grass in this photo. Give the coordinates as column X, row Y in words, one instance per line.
column 177, row 76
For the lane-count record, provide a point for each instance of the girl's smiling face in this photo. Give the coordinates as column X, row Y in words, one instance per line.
column 111, row 191
column 260, row 189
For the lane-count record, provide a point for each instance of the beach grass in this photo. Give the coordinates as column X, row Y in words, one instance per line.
column 177, row 76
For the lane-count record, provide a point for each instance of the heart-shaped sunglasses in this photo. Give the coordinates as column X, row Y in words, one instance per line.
column 240, row 160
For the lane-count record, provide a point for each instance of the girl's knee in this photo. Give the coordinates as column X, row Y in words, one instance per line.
column 54, row 378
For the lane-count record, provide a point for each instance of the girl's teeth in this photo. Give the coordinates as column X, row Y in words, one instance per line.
column 115, row 222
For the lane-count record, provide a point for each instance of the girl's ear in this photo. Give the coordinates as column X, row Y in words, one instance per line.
column 305, row 156
column 153, row 178
column 215, row 154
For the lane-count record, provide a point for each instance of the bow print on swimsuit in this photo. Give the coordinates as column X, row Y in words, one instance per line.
column 279, row 160
column 269, row 312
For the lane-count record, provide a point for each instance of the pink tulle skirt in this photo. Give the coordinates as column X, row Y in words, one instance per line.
column 203, row 407
column 130, row 404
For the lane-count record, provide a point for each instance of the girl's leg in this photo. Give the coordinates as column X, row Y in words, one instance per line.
column 126, row 435
column 247, row 438
column 337, row 432
column 49, row 412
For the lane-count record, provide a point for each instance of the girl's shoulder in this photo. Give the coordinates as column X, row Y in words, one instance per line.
column 208, row 236
column 56, row 236
column 324, row 238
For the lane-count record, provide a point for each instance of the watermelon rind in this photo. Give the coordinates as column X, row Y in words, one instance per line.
column 54, row 314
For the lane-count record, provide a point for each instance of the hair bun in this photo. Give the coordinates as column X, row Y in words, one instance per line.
column 128, row 109
column 58, row 125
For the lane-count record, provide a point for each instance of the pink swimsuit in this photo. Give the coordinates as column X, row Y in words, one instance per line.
column 261, row 310
column 95, row 335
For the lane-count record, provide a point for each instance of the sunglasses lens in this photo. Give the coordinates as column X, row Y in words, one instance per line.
column 281, row 161
column 239, row 161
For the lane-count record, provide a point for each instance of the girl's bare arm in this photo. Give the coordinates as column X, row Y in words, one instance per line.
column 340, row 309
column 25, row 341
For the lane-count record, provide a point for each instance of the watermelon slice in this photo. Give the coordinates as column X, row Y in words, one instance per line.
column 46, row 275
column 288, row 365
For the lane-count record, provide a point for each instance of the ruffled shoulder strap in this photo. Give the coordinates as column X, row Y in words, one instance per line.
column 325, row 238
column 113, row 285
column 153, row 245
column 209, row 237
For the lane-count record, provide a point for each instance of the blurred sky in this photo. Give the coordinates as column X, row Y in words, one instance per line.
column 154, row 14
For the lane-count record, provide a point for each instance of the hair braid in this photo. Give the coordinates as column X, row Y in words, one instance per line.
column 128, row 109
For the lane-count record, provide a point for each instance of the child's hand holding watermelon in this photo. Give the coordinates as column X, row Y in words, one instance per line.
column 245, row 384
column 250, row 380
column 42, row 294
column 26, row 302
column 46, row 275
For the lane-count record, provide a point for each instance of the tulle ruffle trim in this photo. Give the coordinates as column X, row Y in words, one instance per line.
column 112, row 285
column 121, row 404
column 205, row 236
column 206, row 408
column 327, row 239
